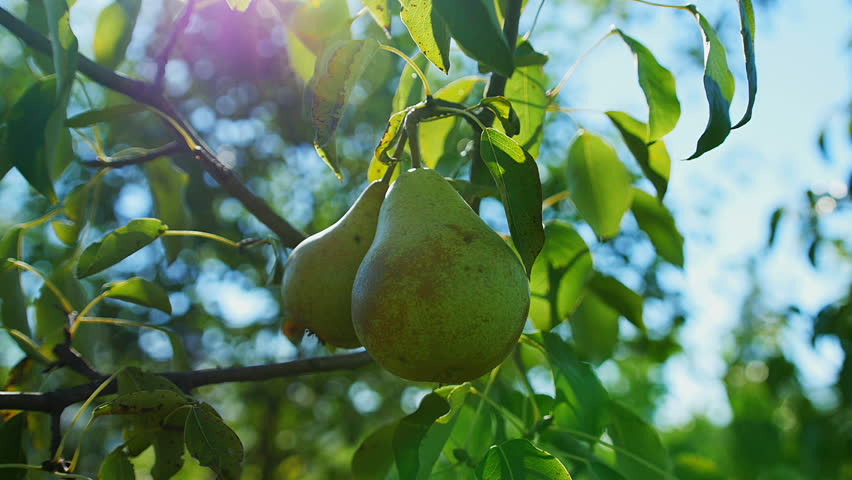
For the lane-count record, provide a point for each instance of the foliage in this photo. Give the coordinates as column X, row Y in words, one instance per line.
column 146, row 215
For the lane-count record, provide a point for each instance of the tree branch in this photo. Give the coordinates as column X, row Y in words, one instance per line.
column 177, row 31
column 58, row 400
column 147, row 94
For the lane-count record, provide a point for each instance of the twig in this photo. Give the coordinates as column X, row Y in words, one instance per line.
column 167, row 149
column 177, row 31
column 57, row 400
column 145, row 93
column 68, row 357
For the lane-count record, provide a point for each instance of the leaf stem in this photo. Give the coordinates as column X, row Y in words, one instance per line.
column 88, row 308
column 411, row 124
column 83, row 407
column 41, row 220
column 207, row 235
column 653, row 4
column 555, row 91
column 459, row 111
column 413, row 65
column 66, row 305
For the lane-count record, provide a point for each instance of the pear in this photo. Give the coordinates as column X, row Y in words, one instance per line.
column 317, row 286
column 439, row 297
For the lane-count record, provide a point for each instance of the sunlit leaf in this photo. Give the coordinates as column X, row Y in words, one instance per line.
column 302, row 59
column 658, row 223
column 429, row 31
column 210, row 441
column 381, row 13
column 747, row 31
column 455, row 396
column 559, row 275
column 653, row 159
column 113, row 31
column 119, row 244
column 658, row 85
column 718, row 86
column 116, row 466
column 106, row 114
column 141, row 292
column 378, row 167
column 435, row 134
column 519, row 459
column 502, row 108
column 474, row 26
column 410, row 88
column 599, row 184
column 239, row 5
column 318, row 23
column 527, row 90
column 618, row 296
column 516, row 175
column 334, row 78
column 66, row 231
column 632, row 434
column 410, row 433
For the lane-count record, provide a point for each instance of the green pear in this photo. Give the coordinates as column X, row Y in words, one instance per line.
column 439, row 297
column 317, row 285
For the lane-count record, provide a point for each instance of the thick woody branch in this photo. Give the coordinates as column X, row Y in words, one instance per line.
column 147, row 94
column 58, row 400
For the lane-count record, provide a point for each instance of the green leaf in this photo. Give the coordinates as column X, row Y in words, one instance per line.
column 51, row 320
column 63, row 45
column 66, row 231
column 74, row 204
column 378, row 167
column 594, row 329
column 410, row 433
column 658, row 85
column 211, row 442
column 168, row 183
column 32, row 138
column 747, row 21
column 718, row 86
column 168, row 453
column 653, row 159
column 6, row 162
column 516, row 175
column 455, row 396
column 581, row 400
column 599, row 184
column 132, row 379
column 410, row 88
column 153, row 404
column 381, row 13
column 640, row 454
column 519, row 459
column 239, row 5
column 119, row 244
column 113, row 31
column 658, row 223
column 623, row 300
column 428, row 30
column 527, row 90
column 334, row 78
column 141, row 292
column 100, row 115
column 302, row 59
column 774, row 221
column 474, row 26
column 374, row 457
column 502, row 108
column 12, row 445
column 435, row 134
column 318, row 23
column 558, row 275
column 116, row 466
column 13, row 306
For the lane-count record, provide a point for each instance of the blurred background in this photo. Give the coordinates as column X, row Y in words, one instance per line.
column 746, row 359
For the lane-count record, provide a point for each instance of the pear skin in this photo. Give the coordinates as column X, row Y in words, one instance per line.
column 317, row 285
column 439, row 297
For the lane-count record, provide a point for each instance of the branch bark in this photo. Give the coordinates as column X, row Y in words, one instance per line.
column 148, row 94
column 58, row 400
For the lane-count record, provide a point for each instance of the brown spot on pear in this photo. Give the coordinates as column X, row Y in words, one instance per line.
column 316, row 289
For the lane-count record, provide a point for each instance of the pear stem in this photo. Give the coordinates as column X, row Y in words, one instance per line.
column 411, row 124
column 389, row 173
